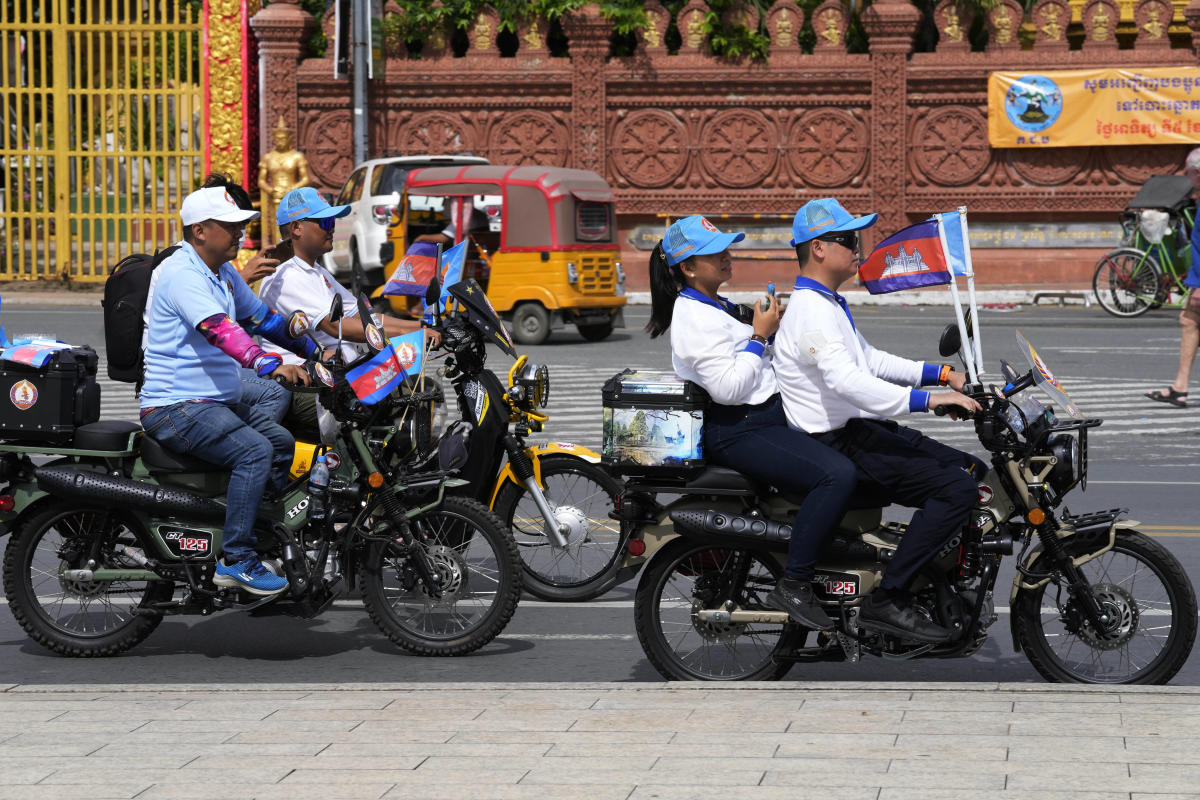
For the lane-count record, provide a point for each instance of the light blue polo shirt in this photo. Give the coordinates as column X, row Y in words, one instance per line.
column 180, row 363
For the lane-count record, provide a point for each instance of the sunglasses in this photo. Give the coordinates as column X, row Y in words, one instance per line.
column 326, row 223
column 847, row 239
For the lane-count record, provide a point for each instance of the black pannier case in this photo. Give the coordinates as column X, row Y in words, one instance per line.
column 653, row 425
column 49, row 402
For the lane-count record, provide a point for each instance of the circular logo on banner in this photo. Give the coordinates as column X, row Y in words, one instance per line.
column 985, row 494
column 297, row 324
column 708, row 226
column 374, row 337
column 323, row 374
column 1033, row 103
column 407, row 355
column 23, row 395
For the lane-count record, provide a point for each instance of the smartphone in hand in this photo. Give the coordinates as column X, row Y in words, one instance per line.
column 765, row 304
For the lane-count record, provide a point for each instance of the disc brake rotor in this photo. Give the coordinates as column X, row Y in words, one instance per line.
column 1118, row 605
column 451, row 570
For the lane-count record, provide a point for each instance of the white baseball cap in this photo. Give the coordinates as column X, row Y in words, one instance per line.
column 212, row 203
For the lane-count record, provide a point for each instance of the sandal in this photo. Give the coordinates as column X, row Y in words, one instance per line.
column 1170, row 397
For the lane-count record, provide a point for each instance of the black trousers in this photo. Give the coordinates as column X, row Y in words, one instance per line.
column 903, row 466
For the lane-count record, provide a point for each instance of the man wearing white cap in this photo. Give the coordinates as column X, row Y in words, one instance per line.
column 191, row 398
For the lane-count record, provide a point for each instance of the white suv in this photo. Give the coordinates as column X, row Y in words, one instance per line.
column 373, row 193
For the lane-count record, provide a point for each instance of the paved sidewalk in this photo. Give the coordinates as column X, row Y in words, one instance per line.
column 602, row 741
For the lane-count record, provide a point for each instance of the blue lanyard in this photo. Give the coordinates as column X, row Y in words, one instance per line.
column 721, row 304
column 808, row 283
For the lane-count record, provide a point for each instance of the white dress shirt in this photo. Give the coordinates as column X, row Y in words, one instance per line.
column 827, row 372
column 713, row 349
column 299, row 286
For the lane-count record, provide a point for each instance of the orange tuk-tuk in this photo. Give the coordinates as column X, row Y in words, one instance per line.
column 543, row 242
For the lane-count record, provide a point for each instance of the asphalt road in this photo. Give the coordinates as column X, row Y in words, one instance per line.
column 1145, row 457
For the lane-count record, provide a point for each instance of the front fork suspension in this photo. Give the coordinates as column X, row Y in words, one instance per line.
column 407, row 540
column 1078, row 587
column 522, row 467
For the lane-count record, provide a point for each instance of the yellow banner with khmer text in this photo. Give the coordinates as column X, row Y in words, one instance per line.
column 1084, row 107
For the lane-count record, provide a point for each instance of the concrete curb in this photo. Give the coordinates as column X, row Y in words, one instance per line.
column 53, row 299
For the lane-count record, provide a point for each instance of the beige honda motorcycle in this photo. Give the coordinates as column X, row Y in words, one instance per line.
column 1093, row 600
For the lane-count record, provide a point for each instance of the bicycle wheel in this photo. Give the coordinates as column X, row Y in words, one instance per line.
column 1127, row 282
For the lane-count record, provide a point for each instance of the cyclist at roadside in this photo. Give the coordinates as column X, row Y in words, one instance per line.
column 192, row 400
column 1189, row 316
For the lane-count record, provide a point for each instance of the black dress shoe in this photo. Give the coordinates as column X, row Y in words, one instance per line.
column 900, row 619
column 796, row 598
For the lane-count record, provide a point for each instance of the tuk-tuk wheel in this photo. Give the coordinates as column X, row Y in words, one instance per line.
column 596, row 333
column 531, row 323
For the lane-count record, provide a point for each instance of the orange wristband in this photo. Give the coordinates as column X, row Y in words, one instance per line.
column 944, row 376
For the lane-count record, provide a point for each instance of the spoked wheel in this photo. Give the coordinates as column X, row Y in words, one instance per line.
column 687, row 577
column 1128, row 282
column 1151, row 609
column 581, row 496
column 479, row 572
column 69, row 614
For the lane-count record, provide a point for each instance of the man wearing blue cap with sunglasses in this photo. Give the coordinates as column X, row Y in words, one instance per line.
column 841, row 390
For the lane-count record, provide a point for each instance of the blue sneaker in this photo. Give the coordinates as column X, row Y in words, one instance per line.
column 249, row 575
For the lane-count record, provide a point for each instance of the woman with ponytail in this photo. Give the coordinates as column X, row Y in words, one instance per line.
column 745, row 427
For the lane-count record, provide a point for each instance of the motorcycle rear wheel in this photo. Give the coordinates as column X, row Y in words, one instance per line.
column 581, row 495
column 1144, row 586
column 477, row 558
column 78, row 618
column 687, row 576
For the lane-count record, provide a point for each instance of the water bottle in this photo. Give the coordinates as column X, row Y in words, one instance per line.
column 318, row 488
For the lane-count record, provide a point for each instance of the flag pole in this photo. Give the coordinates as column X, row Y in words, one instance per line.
column 962, row 215
column 958, row 312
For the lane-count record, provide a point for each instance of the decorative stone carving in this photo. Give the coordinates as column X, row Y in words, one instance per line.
column 953, row 22
column 281, row 28
column 784, row 21
column 1048, row 166
column 649, row 148
column 435, row 132
column 1003, row 24
column 528, row 137
column 951, row 146
column 693, row 31
column 652, row 38
column 226, row 72
column 827, row 147
column 531, row 38
column 737, row 147
column 589, row 33
column 1137, row 164
column 482, row 34
column 829, row 21
column 1100, row 18
column 326, row 135
column 1050, row 19
column 1152, row 18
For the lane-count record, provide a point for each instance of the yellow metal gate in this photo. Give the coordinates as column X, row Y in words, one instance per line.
column 103, row 131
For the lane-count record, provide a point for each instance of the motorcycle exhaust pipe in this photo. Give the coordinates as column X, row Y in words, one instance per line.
column 73, row 483
column 719, row 616
column 718, row 523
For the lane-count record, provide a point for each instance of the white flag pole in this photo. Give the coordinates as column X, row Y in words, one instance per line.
column 958, row 312
column 962, row 215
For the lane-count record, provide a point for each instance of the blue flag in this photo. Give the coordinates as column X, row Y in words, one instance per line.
column 410, row 350
column 450, row 270
column 956, row 246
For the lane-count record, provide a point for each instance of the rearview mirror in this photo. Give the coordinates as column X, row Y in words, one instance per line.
column 1009, row 372
column 433, row 291
column 336, row 309
column 950, row 341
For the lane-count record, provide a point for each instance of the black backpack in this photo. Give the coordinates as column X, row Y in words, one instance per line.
column 124, row 303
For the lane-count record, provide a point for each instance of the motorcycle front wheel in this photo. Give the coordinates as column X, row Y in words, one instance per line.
column 687, row 577
column 581, row 496
column 73, row 617
column 1143, row 589
column 480, row 576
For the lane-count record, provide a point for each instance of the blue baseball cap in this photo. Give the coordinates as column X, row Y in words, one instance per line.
column 826, row 215
column 696, row 236
column 306, row 203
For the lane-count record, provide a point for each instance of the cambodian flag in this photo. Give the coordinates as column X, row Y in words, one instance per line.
column 375, row 379
column 908, row 259
column 414, row 271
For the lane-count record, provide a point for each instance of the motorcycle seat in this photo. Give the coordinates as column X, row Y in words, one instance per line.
column 159, row 459
column 109, row 434
column 724, row 479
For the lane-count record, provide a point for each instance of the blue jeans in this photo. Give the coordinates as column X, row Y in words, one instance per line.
column 265, row 393
column 240, row 437
column 757, row 441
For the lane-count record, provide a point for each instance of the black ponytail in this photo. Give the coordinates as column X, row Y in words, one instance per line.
column 665, row 283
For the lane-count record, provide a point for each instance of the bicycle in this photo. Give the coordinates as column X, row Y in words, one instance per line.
column 1152, row 261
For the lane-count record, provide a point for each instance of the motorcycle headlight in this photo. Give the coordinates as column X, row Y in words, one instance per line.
column 1069, row 469
column 534, row 381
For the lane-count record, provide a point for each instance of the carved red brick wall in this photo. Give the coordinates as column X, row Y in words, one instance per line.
column 891, row 131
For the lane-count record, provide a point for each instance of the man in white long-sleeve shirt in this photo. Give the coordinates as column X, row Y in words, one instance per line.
column 840, row 389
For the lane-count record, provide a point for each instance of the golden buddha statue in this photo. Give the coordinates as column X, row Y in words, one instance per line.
column 279, row 171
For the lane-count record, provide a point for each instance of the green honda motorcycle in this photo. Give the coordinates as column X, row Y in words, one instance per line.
column 114, row 532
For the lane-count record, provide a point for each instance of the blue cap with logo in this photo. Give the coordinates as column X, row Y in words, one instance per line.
column 306, row 203
column 826, row 215
column 696, row 236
